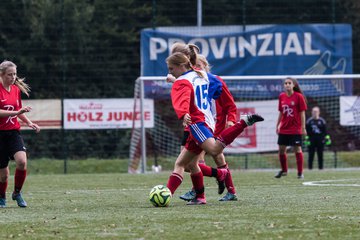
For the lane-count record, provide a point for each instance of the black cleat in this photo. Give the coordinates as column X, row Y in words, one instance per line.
column 250, row 119
column 280, row 174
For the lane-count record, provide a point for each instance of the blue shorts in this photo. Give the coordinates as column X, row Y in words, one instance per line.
column 200, row 132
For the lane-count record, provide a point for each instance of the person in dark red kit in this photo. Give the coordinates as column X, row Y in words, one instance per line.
column 11, row 142
column 291, row 125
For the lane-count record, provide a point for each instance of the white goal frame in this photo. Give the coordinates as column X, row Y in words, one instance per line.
column 141, row 80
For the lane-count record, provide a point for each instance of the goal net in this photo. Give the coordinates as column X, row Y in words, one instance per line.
column 337, row 96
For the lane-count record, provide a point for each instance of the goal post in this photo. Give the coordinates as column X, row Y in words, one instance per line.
column 160, row 144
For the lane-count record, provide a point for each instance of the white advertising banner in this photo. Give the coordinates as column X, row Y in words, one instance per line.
column 105, row 113
column 350, row 110
column 45, row 112
column 260, row 137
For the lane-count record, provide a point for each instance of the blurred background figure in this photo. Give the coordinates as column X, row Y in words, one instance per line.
column 316, row 137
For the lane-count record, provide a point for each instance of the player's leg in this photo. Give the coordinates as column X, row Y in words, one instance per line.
column 191, row 194
column 231, row 194
column 320, row 155
column 176, row 176
column 18, row 150
column 311, row 155
column 197, row 179
column 4, row 169
column 4, row 175
column 19, row 177
column 227, row 136
column 282, row 157
column 204, row 138
column 299, row 161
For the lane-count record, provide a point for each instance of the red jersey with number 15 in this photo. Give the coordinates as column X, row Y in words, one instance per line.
column 10, row 101
column 290, row 107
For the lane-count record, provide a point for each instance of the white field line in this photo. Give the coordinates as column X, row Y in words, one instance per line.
column 333, row 183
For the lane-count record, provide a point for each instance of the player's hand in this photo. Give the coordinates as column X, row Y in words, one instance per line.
column 24, row 110
column 170, row 78
column 35, row 127
column 186, row 120
column 303, row 130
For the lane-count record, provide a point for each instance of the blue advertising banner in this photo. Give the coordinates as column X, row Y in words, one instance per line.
column 308, row 49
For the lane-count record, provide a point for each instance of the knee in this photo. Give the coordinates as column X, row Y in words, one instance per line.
column 21, row 164
column 4, row 178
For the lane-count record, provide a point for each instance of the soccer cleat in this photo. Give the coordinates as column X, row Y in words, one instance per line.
column 197, row 201
column 280, row 174
column 250, row 119
column 190, row 195
column 300, row 176
column 228, row 197
column 18, row 198
column 221, row 180
column 2, row 202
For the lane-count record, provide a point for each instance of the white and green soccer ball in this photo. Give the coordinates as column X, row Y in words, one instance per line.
column 160, row 196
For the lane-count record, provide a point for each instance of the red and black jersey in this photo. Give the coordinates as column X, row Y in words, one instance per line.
column 10, row 101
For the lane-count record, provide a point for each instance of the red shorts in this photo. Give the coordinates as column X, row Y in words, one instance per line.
column 192, row 146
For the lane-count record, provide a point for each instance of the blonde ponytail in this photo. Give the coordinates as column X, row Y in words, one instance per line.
column 19, row 82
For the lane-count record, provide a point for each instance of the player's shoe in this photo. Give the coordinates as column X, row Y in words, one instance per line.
column 2, row 202
column 250, row 119
column 229, row 197
column 300, row 176
column 190, row 195
column 221, row 180
column 19, row 199
column 280, row 174
column 197, row 201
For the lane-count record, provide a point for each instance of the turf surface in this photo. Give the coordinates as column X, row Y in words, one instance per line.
column 116, row 206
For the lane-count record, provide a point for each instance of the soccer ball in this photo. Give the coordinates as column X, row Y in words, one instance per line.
column 160, row 196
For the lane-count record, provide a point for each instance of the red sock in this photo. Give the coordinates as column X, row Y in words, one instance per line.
column 228, row 135
column 174, row 182
column 3, row 187
column 20, row 176
column 198, row 183
column 206, row 170
column 228, row 181
column 283, row 162
column 299, row 162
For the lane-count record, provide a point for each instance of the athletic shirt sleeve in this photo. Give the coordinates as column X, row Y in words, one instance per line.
column 227, row 103
column 181, row 94
column 215, row 88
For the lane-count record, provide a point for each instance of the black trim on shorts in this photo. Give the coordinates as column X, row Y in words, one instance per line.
column 185, row 137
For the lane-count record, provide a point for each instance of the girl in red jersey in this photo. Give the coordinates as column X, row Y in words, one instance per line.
column 11, row 142
column 291, row 125
column 225, row 117
column 190, row 100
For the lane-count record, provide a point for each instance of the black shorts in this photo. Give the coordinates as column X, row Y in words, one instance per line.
column 185, row 137
column 11, row 142
column 290, row 139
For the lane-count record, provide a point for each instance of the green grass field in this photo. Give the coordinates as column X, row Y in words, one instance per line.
column 116, row 206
